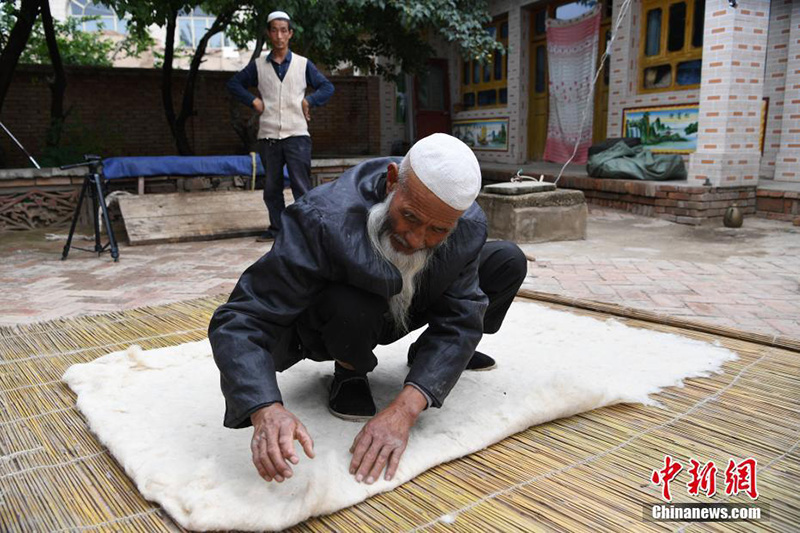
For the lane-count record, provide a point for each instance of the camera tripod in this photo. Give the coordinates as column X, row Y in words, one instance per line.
column 93, row 186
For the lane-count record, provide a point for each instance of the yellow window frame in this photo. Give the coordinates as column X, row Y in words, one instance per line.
column 689, row 52
column 492, row 84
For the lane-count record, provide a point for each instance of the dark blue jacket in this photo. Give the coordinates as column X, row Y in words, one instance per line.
column 324, row 240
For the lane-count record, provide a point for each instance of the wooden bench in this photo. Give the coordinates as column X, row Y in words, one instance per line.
column 159, row 218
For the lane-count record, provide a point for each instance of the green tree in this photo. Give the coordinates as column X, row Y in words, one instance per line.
column 355, row 31
column 501, row 137
column 16, row 25
column 76, row 47
column 144, row 13
column 386, row 37
column 55, row 43
column 361, row 31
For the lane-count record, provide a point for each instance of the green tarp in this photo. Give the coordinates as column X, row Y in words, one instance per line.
column 637, row 163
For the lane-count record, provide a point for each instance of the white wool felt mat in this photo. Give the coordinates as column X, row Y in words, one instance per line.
column 159, row 412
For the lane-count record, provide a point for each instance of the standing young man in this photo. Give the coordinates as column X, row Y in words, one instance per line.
column 282, row 78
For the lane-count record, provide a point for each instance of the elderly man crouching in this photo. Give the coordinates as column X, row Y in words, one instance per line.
column 382, row 251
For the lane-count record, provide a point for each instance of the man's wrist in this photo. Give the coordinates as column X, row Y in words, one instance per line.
column 428, row 401
column 411, row 402
column 263, row 409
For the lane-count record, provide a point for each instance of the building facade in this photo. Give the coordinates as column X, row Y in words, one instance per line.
column 221, row 53
column 727, row 72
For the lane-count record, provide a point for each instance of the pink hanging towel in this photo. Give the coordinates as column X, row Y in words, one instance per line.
column 572, row 60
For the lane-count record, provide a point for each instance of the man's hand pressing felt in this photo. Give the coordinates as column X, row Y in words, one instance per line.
column 274, row 431
column 382, row 440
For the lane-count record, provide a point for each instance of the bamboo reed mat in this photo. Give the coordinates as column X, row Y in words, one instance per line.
column 589, row 471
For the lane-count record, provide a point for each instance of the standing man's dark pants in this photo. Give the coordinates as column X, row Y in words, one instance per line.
column 345, row 323
column 295, row 153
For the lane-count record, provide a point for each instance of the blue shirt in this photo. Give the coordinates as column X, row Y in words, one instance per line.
column 248, row 77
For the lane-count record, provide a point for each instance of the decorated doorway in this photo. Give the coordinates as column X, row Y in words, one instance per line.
column 432, row 100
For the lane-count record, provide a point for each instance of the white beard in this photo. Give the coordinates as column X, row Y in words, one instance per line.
column 379, row 231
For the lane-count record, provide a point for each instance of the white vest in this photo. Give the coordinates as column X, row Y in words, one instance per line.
column 283, row 110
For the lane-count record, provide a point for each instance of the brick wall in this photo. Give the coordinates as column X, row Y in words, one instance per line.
column 775, row 81
column 779, row 205
column 734, row 56
column 676, row 201
column 516, row 83
column 786, row 160
column 624, row 74
column 118, row 112
column 350, row 123
column 393, row 133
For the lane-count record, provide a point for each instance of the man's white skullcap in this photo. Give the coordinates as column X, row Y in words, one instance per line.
column 447, row 167
column 277, row 15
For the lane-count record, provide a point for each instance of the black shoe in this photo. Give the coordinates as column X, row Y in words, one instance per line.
column 479, row 361
column 351, row 398
column 269, row 235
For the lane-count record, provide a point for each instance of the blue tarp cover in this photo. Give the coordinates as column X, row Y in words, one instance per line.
column 221, row 165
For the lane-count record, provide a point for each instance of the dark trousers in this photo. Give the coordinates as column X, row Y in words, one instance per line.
column 346, row 323
column 295, row 153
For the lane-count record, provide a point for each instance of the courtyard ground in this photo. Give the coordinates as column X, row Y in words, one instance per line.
column 747, row 278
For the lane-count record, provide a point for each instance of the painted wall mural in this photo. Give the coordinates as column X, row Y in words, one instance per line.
column 663, row 129
column 483, row 134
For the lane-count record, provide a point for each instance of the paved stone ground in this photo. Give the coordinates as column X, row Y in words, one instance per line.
column 747, row 278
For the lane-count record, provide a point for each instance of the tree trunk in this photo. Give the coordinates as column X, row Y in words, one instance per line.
column 246, row 124
column 26, row 16
column 259, row 45
column 238, row 124
column 181, row 142
column 58, row 84
column 187, row 104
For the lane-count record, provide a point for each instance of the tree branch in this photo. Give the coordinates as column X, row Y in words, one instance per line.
column 18, row 38
column 166, row 71
column 259, row 45
column 187, row 105
column 58, row 86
